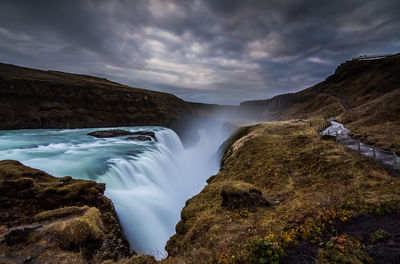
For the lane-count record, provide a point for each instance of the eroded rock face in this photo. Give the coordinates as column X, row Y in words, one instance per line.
column 44, row 219
column 238, row 194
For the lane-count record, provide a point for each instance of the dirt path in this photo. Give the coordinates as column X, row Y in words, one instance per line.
column 340, row 100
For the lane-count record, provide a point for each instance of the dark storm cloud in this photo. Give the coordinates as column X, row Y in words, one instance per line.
column 211, row 51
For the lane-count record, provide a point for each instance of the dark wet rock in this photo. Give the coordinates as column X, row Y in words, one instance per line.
column 239, row 194
column 210, row 180
column 19, row 235
column 304, row 253
column 145, row 133
column 139, row 135
column 328, row 137
column 110, row 133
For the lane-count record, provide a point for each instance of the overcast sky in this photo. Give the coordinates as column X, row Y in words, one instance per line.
column 200, row 50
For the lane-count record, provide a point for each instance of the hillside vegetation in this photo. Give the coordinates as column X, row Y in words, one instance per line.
column 364, row 94
column 285, row 195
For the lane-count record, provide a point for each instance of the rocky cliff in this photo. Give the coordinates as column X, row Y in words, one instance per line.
column 44, row 219
column 48, row 99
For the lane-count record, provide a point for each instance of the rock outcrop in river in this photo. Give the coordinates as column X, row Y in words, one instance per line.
column 138, row 135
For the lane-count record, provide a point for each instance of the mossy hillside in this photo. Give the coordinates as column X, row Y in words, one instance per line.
column 56, row 216
column 369, row 89
column 74, row 233
column 312, row 182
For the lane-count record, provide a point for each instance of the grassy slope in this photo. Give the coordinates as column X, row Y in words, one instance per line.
column 364, row 85
column 316, row 183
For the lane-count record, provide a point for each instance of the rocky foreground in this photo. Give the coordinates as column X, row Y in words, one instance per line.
column 55, row 220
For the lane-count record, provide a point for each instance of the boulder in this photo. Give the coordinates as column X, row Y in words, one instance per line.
column 238, row 194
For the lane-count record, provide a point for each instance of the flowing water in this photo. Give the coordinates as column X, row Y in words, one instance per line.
column 148, row 182
column 387, row 158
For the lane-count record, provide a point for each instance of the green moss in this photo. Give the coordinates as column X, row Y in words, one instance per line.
column 73, row 233
column 60, row 213
column 263, row 250
column 379, row 235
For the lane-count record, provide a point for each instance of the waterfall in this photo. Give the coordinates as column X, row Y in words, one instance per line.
column 148, row 182
column 150, row 190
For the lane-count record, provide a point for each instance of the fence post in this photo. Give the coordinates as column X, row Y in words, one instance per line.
column 374, row 152
column 329, row 132
column 337, row 136
column 396, row 164
column 359, row 146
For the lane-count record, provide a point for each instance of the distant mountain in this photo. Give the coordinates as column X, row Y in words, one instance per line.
column 364, row 94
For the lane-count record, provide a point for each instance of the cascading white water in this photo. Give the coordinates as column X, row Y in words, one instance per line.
column 148, row 182
column 148, row 190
